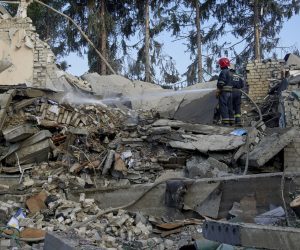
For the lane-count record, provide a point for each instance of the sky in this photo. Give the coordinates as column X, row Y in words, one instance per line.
column 289, row 36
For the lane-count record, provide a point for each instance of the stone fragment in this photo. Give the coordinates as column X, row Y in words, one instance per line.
column 37, row 203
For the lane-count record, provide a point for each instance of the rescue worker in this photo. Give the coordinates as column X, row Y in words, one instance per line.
column 224, row 92
column 237, row 84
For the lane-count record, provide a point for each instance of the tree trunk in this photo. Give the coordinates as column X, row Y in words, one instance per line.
column 103, row 39
column 147, row 44
column 257, row 48
column 199, row 42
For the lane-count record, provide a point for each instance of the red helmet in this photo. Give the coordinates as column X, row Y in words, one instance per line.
column 224, row 62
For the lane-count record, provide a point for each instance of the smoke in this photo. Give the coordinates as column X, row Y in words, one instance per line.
column 77, row 98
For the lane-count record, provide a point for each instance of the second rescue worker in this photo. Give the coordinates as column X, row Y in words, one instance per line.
column 224, row 92
column 237, row 84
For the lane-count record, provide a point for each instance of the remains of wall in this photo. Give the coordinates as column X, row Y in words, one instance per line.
column 29, row 56
column 259, row 75
column 291, row 108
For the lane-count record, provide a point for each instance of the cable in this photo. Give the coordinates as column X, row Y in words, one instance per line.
column 254, row 126
column 81, row 32
column 129, row 204
column 256, row 106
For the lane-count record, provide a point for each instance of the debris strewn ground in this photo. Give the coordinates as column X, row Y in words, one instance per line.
column 103, row 162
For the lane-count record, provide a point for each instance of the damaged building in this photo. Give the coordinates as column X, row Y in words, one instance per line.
column 103, row 162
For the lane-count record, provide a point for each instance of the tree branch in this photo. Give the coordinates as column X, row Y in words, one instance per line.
column 81, row 32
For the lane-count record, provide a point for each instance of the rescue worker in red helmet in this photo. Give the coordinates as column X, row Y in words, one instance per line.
column 224, row 92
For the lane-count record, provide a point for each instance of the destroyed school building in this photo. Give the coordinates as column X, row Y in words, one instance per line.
column 85, row 164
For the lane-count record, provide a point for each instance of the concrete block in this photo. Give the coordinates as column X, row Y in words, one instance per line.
column 64, row 241
column 19, row 133
column 31, row 154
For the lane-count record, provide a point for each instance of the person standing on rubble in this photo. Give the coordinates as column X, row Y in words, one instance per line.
column 237, row 85
column 224, row 92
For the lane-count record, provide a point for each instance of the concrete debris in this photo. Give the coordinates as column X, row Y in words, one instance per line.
column 19, row 133
column 270, row 146
column 271, row 217
column 37, row 203
column 251, row 235
column 72, row 147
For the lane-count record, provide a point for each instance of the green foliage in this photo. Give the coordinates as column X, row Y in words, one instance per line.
column 239, row 14
column 124, row 24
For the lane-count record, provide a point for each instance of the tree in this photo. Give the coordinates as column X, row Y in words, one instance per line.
column 256, row 23
column 146, row 21
column 187, row 22
column 147, row 42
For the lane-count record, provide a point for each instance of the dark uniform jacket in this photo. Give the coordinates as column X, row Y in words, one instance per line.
column 237, row 81
column 225, row 80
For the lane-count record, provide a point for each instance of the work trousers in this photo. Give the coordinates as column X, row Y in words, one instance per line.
column 217, row 115
column 236, row 104
column 225, row 105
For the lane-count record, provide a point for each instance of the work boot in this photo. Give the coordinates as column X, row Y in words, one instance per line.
column 238, row 122
column 226, row 124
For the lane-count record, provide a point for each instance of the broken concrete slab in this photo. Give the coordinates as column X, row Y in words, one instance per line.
column 189, row 111
column 194, row 128
column 209, row 143
column 40, row 136
column 37, row 152
column 266, row 188
column 271, row 217
column 19, row 133
column 251, row 235
column 148, row 96
column 212, row 143
column 63, row 241
column 211, row 205
column 24, row 103
column 270, row 146
column 198, row 167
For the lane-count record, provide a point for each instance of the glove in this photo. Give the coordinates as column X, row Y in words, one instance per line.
column 218, row 93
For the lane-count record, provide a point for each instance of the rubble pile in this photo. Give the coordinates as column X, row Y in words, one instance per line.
column 93, row 166
column 291, row 99
column 53, row 213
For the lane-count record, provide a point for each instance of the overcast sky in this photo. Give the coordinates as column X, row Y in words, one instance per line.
column 289, row 36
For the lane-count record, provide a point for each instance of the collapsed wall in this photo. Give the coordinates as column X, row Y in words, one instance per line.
column 192, row 104
column 259, row 75
column 270, row 77
column 31, row 59
column 291, row 110
column 26, row 59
